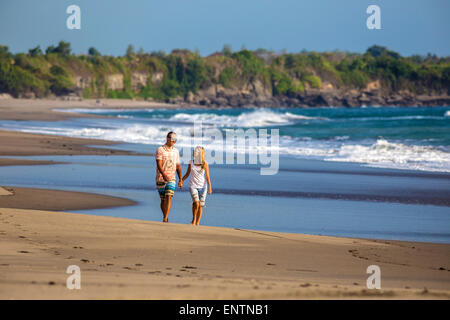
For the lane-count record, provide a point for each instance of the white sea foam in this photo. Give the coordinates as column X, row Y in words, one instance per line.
column 393, row 118
column 381, row 153
column 257, row 118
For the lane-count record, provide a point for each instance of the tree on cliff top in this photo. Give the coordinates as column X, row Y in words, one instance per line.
column 94, row 52
column 35, row 51
column 130, row 51
column 63, row 49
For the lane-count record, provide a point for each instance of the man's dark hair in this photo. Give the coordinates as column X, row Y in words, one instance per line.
column 170, row 133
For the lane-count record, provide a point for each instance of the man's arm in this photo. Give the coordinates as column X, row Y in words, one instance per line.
column 180, row 180
column 159, row 165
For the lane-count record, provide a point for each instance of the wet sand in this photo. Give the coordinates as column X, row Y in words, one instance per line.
column 57, row 200
column 28, row 144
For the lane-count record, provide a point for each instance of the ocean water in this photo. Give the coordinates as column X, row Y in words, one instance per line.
column 416, row 138
column 306, row 196
column 381, row 173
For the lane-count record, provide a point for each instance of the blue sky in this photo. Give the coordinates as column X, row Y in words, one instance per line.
column 408, row 26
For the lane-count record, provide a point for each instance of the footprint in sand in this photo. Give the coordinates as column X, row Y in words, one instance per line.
column 138, row 264
column 84, row 260
column 23, row 251
column 302, row 270
column 129, row 268
column 189, row 267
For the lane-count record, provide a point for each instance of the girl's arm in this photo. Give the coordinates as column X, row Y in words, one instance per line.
column 187, row 172
column 207, row 177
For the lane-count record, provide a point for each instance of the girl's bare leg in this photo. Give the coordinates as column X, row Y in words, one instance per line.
column 195, row 206
column 199, row 214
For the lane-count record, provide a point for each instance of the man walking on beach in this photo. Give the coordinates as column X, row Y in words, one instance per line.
column 167, row 162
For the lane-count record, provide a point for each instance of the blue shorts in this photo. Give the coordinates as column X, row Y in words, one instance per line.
column 198, row 195
column 166, row 188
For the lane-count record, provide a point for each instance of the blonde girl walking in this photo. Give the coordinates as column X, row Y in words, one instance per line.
column 198, row 168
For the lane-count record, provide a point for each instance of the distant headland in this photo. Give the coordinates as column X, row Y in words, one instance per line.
column 242, row 78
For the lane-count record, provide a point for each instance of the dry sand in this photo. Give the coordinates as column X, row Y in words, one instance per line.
column 129, row 259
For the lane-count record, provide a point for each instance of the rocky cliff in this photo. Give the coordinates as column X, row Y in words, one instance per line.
column 256, row 94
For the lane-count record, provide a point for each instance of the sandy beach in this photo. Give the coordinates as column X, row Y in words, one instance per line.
column 131, row 259
column 135, row 259
column 42, row 109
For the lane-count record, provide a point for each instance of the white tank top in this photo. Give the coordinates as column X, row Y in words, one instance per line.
column 197, row 176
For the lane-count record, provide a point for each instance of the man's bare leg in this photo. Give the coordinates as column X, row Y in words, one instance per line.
column 199, row 214
column 195, row 206
column 162, row 206
column 167, row 204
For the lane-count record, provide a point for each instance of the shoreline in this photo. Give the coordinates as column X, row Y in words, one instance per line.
column 17, row 143
column 42, row 109
column 57, row 200
column 153, row 260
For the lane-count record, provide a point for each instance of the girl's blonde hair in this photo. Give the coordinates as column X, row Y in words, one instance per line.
column 203, row 155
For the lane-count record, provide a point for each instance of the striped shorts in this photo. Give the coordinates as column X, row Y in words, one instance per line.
column 198, row 195
column 166, row 188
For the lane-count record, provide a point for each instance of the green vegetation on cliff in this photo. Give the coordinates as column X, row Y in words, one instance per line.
column 160, row 76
